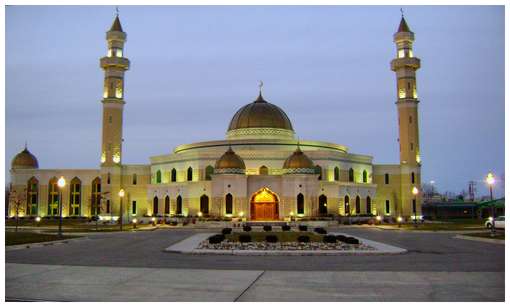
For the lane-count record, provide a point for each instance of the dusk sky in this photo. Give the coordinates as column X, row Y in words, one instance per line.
column 193, row 67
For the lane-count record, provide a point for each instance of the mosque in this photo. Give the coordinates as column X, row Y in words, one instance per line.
column 260, row 171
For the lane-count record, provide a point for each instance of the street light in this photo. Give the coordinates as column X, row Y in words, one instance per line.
column 61, row 183
column 121, row 195
column 490, row 181
column 415, row 192
column 134, row 222
column 399, row 220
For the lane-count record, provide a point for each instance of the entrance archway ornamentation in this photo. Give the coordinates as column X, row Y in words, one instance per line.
column 264, row 205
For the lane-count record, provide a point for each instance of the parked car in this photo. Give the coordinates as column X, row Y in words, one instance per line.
column 499, row 222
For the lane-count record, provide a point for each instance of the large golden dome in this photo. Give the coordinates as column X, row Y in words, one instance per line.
column 24, row 159
column 229, row 162
column 260, row 114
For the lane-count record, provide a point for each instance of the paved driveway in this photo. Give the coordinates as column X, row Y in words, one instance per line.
column 427, row 252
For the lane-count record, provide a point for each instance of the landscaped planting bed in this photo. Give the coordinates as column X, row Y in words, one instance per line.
column 281, row 240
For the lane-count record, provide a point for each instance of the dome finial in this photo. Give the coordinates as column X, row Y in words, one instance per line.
column 260, row 98
column 298, row 148
column 117, row 10
column 26, row 147
column 402, row 12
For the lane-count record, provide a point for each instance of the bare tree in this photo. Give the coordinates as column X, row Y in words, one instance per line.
column 97, row 205
column 17, row 201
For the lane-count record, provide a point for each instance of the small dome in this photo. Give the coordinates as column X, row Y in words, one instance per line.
column 230, row 162
column 24, row 159
column 298, row 162
column 260, row 114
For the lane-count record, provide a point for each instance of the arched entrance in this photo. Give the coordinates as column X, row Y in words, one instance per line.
column 264, row 205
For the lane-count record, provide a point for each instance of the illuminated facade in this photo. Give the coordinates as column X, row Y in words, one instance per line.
column 260, row 171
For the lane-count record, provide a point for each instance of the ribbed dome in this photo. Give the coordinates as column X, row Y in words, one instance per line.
column 229, row 162
column 260, row 114
column 24, row 159
column 298, row 162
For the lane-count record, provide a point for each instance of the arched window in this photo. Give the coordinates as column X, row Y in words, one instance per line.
column 412, row 177
column 263, row 170
column 346, row 205
column 386, row 178
column 337, row 173
column 369, row 205
column 174, row 175
column 108, row 178
column 178, row 205
column 323, row 205
column 158, row 176
column 318, row 171
column 95, row 204
column 365, row 176
column 134, row 179
column 300, row 204
column 75, row 197
column 351, row 175
column 53, row 197
column 228, row 204
column 190, row 174
column 108, row 206
column 32, row 196
column 209, row 170
column 155, row 206
column 358, row 205
column 167, row 205
column 204, row 204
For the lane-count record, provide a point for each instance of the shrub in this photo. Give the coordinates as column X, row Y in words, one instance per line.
column 285, row 228
column 320, row 230
column 226, row 231
column 370, row 222
column 184, row 223
column 173, row 223
column 351, row 240
column 247, row 228
column 267, row 228
column 216, row 239
column 341, row 238
column 303, row 228
column 303, row 239
column 329, row 239
column 271, row 239
column 244, row 238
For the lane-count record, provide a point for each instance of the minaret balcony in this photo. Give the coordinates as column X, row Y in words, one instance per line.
column 405, row 62
column 106, row 62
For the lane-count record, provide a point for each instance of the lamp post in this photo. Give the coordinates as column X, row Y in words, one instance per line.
column 415, row 192
column 121, row 195
column 61, row 183
column 490, row 181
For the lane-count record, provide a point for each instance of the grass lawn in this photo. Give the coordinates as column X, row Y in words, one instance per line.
column 13, row 238
column 453, row 224
column 283, row 236
column 499, row 235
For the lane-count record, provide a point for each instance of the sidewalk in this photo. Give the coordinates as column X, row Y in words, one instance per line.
column 87, row 283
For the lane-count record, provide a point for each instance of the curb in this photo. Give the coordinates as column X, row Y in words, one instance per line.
column 42, row 244
column 486, row 240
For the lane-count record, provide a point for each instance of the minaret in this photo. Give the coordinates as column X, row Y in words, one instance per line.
column 405, row 66
column 114, row 66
